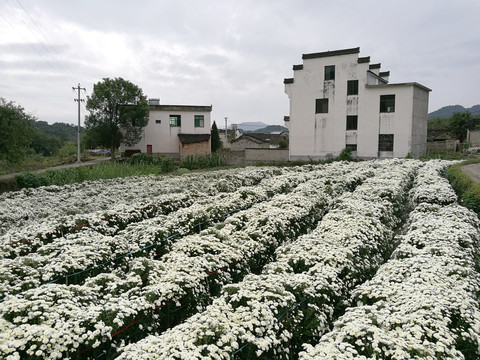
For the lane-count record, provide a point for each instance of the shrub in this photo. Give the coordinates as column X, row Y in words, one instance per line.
column 141, row 158
column 29, row 180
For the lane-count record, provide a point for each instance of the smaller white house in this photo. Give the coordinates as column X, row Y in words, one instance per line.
column 174, row 130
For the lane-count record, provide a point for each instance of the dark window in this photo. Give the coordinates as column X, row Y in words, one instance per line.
column 175, row 120
column 352, row 122
column 199, row 121
column 158, row 121
column 385, row 142
column 352, row 87
column 321, row 106
column 330, row 72
column 387, row 103
column 352, row 147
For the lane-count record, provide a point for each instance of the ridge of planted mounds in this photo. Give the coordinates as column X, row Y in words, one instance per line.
column 34, row 217
column 84, row 320
column 423, row 303
column 102, row 247
column 297, row 296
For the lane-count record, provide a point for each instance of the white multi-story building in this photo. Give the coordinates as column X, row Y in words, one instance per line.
column 174, row 130
column 339, row 100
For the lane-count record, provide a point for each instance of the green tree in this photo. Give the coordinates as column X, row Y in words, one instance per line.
column 15, row 131
column 460, row 123
column 215, row 142
column 119, row 108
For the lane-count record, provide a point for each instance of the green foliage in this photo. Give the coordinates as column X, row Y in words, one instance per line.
column 438, row 124
column 15, row 132
column 64, row 132
column 118, row 110
column 68, row 152
column 215, row 142
column 467, row 191
column 29, row 180
column 45, row 144
column 345, row 155
column 194, row 162
column 100, row 137
column 283, row 144
column 165, row 164
column 471, row 198
column 459, row 123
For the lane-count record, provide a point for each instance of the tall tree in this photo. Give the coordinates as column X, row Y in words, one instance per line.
column 460, row 123
column 215, row 142
column 120, row 109
column 15, row 131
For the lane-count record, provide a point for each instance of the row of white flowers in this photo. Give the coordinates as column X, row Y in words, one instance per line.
column 39, row 214
column 101, row 242
column 296, row 296
column 51, row 320
column 423, row 303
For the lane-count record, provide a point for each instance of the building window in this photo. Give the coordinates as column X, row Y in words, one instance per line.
column 385, row 142
column 352, row 147
column 175, row 120
column 352, row 122
column 199, row 121
column 330, row 72
column 321, row 106
column 158, row 121
column 387, row 103
column 352, row 87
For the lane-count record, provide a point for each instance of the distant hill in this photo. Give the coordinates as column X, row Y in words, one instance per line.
column 270, row 129
column 447, row 111
column 66, row 132
column 251, row 126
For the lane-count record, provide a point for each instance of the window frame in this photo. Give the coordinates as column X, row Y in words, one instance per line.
column 352, row 122
column 175, row 120
column 321, row 106
column 387, row 103
column 329, row 73
column 352, row 147
column 386, row 142
column 199, row 121
column 352, row 87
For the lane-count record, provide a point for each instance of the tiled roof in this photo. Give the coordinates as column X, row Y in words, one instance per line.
column 193, row 138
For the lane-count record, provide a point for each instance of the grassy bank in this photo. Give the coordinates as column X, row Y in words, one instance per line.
column 140, row 164
column 468, row 191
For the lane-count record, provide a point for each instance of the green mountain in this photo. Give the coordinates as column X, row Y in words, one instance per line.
column 270, row 129
column 447, row 111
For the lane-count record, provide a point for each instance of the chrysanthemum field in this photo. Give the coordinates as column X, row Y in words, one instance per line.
column 367, row 260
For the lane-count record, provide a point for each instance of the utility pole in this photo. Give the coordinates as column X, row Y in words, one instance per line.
column 226, row 137
column 78, row 100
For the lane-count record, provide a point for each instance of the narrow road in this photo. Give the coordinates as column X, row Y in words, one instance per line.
column 472, row 170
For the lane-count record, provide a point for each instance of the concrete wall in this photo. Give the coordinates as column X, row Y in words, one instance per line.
column 265, row 155
column 252, row 156
column 474, row 138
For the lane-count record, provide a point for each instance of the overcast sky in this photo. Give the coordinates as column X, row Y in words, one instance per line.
column 233, row 54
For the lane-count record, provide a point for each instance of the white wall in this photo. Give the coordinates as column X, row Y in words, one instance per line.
column 163, row 137
column 319, row 136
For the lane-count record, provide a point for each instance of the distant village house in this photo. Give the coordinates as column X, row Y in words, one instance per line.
column 174, row 130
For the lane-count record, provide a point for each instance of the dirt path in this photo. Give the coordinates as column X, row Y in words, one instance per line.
column 85, row 163
column 473, row 170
